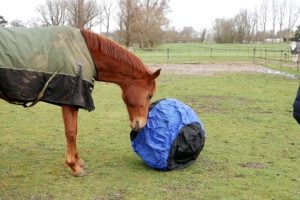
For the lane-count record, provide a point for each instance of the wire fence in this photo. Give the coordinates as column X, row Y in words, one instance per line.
column 202, row 54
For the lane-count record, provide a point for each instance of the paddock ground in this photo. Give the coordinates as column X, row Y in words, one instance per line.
column 251, row 151
column 215, row 68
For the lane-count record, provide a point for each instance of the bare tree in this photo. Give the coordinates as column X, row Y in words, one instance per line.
column 264, row 16
column 245, row 25
column 107, row 8
column 203, row 35
column 250, row 21
column 275, row 9
column 83, row 13
column 151, row 19
column 297, row 34
column 293, row 15
column 53, row 13
column 141, row 21
column 188, row 34
column 3, row 22
column 281, row 15
column 254, row 25
column 171, row 35
column 224, row 31
column 242, row 25
column 127, row 17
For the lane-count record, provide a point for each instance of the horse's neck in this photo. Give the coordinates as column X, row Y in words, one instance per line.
column 114, row 72
column 113, row 63
column 107, row 76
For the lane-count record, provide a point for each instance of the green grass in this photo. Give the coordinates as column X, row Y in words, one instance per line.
column 276, row 56
column 198, row 52
column 282, row 46
column 251, row 152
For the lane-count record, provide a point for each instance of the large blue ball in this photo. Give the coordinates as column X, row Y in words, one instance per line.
column 172, row 138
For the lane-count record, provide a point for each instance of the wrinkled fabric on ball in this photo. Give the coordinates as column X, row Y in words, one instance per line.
column 170, row 124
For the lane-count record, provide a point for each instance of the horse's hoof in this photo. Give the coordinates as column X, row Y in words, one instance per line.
column 79, row 173
column 82, row 164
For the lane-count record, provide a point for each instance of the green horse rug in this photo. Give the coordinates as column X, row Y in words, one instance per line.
column 50, row 64
column 58, row 65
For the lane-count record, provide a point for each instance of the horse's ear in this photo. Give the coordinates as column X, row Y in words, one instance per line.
column 156, row 74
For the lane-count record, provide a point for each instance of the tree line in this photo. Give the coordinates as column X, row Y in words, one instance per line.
column 281, row 16
column 140, row 22
column 144, row 23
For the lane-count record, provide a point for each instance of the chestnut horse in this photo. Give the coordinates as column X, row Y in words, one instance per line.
column 113, row 64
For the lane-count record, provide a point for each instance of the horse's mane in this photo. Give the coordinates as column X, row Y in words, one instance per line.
column 113, row 50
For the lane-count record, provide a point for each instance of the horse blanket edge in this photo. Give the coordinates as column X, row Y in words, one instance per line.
column 29, row 58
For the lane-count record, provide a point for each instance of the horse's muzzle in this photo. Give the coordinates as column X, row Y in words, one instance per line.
column 136, row 127
column 138, row 123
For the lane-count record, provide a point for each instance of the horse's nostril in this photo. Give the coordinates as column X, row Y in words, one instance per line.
column 137, row 126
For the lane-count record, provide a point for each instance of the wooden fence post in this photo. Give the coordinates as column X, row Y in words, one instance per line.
column 266, row 51
column 281, row 57
column 168, row 55
column 254, row 54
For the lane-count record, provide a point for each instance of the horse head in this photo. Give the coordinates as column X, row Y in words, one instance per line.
column 137, row 94
column 115, row 64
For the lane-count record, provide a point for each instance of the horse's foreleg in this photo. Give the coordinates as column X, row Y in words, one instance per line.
column 70, row 114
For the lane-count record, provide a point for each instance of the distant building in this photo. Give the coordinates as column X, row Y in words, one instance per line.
column 275, row 40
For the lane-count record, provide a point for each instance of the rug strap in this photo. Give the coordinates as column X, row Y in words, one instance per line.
column 41, row 93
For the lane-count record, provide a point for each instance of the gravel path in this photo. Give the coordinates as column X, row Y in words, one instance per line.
column 215, row 68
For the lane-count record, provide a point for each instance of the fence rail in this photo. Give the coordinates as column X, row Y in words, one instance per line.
column 200, row 54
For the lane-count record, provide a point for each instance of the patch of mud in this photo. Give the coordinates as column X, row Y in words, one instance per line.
column 219, row 104
column 216, row 68
column 254, row 165
column 208, row 104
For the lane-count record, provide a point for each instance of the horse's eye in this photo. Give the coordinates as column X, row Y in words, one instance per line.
column 149, row 97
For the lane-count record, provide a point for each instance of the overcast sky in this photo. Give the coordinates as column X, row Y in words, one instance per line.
column 202, row 13
column 197, row 13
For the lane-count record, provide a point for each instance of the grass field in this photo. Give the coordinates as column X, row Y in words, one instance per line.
column 251, row 152
column 198, row 52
